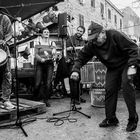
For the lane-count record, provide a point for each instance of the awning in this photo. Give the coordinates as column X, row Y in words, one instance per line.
column 26, row 8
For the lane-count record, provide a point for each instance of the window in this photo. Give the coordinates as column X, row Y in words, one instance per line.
column 93, row 3
column 109, row 14
column 120, row 24
column 115, row 19
column 68, row 17
column 81, row 2
column 102, row 10
column 81, row 20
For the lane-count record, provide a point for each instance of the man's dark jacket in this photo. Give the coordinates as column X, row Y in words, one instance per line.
column 74, row 41
column 118, row 50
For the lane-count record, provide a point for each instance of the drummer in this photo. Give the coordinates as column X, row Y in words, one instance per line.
column 5, row 70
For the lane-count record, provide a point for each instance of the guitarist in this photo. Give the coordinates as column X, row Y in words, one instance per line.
column 6, row 33
column 72, row 42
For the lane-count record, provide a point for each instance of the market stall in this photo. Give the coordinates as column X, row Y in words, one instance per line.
column 21, row 12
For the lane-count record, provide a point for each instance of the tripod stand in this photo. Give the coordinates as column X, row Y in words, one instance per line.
column 18, row 122
column 74, row 88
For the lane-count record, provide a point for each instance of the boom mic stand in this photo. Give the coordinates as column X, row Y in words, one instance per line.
column 75, row 88
column 18, row 122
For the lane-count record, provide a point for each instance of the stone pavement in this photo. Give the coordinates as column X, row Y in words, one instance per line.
column 83, row 129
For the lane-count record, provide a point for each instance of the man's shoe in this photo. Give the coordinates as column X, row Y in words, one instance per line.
column 47, row 103
column 8, row 105
column 76, row 102
column 82, row 100
column 57, row 96
column 132, row 123
column 109, row 122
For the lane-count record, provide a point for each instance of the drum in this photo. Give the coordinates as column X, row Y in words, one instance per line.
column 100, row 74
column 3, row 57
column 97, row 97
column 87, row 73
column 44, row 51
column 94, row 73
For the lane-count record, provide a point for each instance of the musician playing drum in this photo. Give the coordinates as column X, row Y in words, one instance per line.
column 45, row 53
column 5, row 70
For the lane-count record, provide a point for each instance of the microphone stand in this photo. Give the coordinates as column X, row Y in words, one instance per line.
column 75, row 88
column 18, row 122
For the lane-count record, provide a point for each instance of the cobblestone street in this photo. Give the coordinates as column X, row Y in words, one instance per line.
column 83, row 129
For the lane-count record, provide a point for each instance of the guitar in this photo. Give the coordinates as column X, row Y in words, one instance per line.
column 73, row 53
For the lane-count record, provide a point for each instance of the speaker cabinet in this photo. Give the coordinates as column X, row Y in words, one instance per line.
column 62, row 24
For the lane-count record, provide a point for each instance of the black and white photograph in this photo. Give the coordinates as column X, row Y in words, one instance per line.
column 69, row 69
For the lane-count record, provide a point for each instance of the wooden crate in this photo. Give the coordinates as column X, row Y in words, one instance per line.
column 26, row 108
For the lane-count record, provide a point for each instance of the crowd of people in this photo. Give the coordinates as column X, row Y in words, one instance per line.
column 113, row 48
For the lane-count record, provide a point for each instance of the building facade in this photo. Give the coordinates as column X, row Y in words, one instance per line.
column 82, row 12
column 131, row 23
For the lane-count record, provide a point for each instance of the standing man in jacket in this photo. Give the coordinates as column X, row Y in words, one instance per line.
column 72, row 43
column 119, row 54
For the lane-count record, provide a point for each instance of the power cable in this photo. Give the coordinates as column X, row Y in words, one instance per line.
column 58, row 121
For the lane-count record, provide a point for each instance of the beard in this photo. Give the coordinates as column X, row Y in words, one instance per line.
column 78, row 35
column 100, row 43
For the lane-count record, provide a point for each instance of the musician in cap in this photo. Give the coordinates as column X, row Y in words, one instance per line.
column 119, row 54
column 6, row 33
column 73, row 44
column 45, row 53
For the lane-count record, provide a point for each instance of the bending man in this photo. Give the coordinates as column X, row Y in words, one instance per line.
column 119, row 54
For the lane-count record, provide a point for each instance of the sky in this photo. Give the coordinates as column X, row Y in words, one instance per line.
column 134, row 4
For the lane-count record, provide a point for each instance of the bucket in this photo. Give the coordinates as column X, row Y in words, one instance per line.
column 97, row 97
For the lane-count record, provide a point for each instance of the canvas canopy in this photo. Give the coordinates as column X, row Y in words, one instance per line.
column 26, row 8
